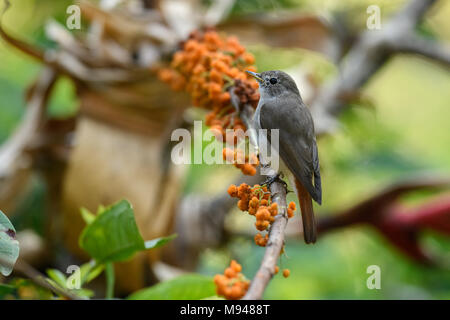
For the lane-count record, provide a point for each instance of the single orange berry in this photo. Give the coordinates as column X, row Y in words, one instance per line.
column 259, row 225
column 265, row 224
column 243, row 205
column 254, row 202
column 209, row 118
column 292, row 205
column 230, row 272
column 242, row 189
column 236, row 292
column 235, row 266
column 232, row 191
column 248, row 58
column 290, row 213
column 286, row 273
column 225, row 98
column 228, row 154
column 216, row 76
column 273, row 209
column 227, row 292
column 262, row 214
column 248, row 170
column 262, row 242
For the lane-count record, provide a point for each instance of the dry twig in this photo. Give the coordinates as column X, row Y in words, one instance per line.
column 12, row 150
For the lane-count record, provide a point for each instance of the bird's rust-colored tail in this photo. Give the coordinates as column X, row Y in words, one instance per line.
column 306, row 206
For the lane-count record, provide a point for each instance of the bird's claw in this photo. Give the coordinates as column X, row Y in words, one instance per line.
column 275, row 178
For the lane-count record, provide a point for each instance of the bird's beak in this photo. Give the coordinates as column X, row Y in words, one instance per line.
column 257, row 76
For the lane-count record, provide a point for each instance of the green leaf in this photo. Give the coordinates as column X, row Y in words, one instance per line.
column 87, row 216
column 6, row 289
column 58, row 277
column 216, row 297
column 84, row 293
column 90, row 271
column 158, row 242
column 186, row 287
column 113, row 235
column 32, row 291
column 9, row 246
column 100, row 209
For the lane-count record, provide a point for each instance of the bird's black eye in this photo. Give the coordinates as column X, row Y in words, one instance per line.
column 273, row 80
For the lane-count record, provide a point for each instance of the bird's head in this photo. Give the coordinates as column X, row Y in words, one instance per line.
column 275, row 83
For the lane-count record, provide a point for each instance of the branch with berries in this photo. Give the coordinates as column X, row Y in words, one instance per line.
column 211, row 68
column 274, row 239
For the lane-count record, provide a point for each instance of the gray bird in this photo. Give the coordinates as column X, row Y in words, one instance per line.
column 281, row 107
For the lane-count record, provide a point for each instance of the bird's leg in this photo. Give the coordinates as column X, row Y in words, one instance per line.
column 275, row 178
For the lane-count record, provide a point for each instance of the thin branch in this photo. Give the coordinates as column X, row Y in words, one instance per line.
column 428, row 48
column 13, row 148
column 73, row 67
column 366, row 210
column 273, row 247
column 38, row 278
column 374, row 207
column 20, row 45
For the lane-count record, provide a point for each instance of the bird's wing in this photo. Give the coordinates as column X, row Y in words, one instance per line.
column 297, row 145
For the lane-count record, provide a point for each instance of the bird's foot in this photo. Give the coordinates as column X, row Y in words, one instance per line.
column 275, row 178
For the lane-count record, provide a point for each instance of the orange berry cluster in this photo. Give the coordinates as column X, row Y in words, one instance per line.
column 232, row 284
column 246, row 90
column 261, row 240
column 246, row 163
column 256, row 201
column 207, row 65
column 291, row 209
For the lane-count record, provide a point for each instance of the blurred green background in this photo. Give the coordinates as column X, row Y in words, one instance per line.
column 407, row 132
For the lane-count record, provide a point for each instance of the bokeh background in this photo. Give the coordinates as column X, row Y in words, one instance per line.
column 401, row 129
